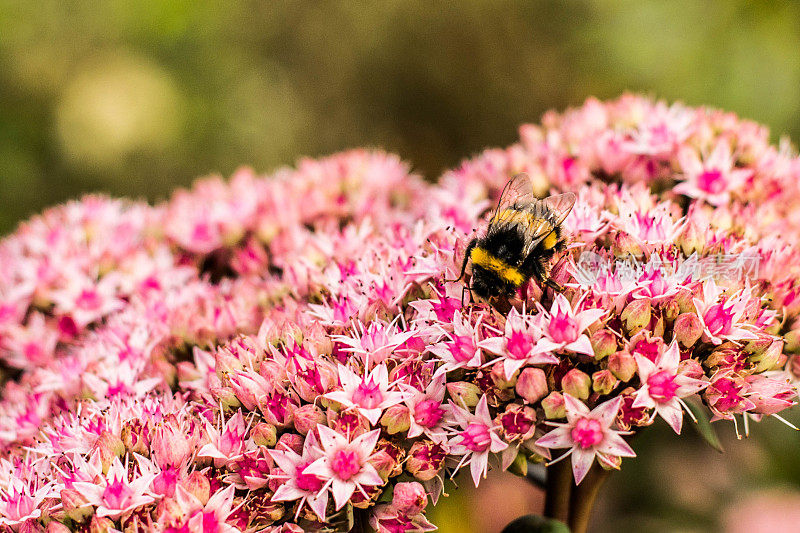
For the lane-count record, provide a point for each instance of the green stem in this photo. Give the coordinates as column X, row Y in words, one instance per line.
column 583, row 498
column 557, row 491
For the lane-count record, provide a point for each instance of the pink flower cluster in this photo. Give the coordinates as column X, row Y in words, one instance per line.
column 284, row 353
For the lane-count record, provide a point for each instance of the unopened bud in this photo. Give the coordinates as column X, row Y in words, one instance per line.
column 264, row 434
column 396, row 419
column 615, row 462
column 292, row 441
column 109, row 447
column 498, row 375
column 604, row 343
column 603, row 382
column 171, row 446
column 464, row 394
column 56, row 527
column 576, row 384
column 625, row 245
column 553, row 406
column 101, row 524
column 769, row 358
column 532, row 384
column 622, row 365
column 672, row 310
column 197, row 485
column 307, row 417
column 688, row 329
column 691, row 368
column 691, row 239
column 30, row 526
column 75, row 505
column 636, row 315
column 409, row 498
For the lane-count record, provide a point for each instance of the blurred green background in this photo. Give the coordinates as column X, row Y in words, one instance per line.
column 135, row 98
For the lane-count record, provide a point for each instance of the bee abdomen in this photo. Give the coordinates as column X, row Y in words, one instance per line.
column 481, row 257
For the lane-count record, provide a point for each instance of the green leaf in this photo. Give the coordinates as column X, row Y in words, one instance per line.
column 535, row 524
column 703, row 425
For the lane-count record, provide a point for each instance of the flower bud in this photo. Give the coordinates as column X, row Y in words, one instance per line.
column 30, row 526
column 615, row 462
column 101, row 524
column 636, row 315
column 625, row 245
column 409, row 498
column 291, row 440
column 197, row 485
column 553, row 406
column 264, row 434
column 109, row 446
column 793, row 366
column 168, row 510
column 134, row 437
column 396, row 419
column 425, row 459
column 532, row 384
column 576, row 384
column 226, row 363
column 622, row 365
column 75, row 505
column 688, row 329
column 603, row 382
column 691, row 239
column 792, row 339
column 307, row 417
column 464, row 394
column 56, row 527
column 171, row 446
column 691, row 368
column 672, row 310
column 498, row 375
column 769, row 358
column 604, row 343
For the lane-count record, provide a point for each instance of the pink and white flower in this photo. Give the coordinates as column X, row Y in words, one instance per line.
column 296, row 483
column 564, row 328
column 588, row 434
column 712, row 178
column 664, row 384
column 476, row 439
column 369, row 395
column 344, row 465
column 519, row 345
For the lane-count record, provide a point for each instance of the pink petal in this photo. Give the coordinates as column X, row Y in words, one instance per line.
column 342, row 490
column 672, row 413
column 558, row 438
column 607, row 411
column 614, row 444
column 478, row 465
column 581, row 463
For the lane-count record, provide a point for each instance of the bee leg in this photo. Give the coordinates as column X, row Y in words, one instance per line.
column 553, row 285
column 470, row 246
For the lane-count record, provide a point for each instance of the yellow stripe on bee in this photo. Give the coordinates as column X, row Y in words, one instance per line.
column 550, row 240
column 486, row 260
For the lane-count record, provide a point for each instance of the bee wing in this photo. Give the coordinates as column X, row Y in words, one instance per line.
column 518, row 191
column 547, row 214
column 560, row 205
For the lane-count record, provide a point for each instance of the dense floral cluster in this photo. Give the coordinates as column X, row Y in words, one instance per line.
column 285, row 353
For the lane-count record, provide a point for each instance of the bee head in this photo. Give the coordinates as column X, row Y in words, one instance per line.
column 486, row 284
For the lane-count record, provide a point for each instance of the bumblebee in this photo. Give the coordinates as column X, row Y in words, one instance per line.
column 523, row 236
